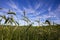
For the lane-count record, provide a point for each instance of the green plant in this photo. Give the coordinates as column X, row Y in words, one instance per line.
column 48, row 22
column 25, row 18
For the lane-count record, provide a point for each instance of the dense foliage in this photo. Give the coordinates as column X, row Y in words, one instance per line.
column 33, row 33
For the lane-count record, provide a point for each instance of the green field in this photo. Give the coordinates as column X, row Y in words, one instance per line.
column 33, row 33
column 11, row 29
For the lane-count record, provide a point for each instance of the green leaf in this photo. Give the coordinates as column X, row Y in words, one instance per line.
column 11, row 13
column 6, row 20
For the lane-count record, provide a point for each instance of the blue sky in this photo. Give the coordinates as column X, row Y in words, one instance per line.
column 35, row 9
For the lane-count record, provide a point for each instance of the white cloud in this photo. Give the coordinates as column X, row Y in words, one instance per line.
column 29, row 10
column 37, row 6
column 34, row 12
column 14, row 7
column 49, row 9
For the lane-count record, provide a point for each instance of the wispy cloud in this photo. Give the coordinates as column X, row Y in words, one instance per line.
column 35, row 12
column 38, row 5
column 29, row 10
column 57, row 12
column 14, row 6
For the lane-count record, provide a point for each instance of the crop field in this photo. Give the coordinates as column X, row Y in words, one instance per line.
column 33, row 33
column 29, row 19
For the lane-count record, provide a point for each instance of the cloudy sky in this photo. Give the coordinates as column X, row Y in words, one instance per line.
column 35, row 9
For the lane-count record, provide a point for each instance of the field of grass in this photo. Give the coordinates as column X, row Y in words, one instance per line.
column 33, row 33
